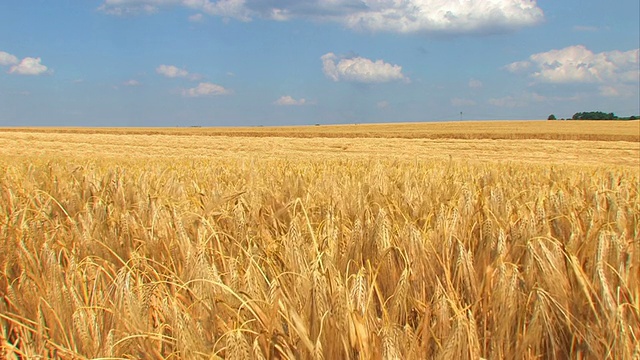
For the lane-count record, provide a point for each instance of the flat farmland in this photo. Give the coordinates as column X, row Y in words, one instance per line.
column 569, row 142
column 494, row 240
column 549, row 130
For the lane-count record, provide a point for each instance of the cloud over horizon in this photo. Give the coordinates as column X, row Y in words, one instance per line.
column 359, row 69
column 608, row 74
column 171, row 71
column 577, row 64
column 288, row 100
column 408, row 16
column 205, row 89
column 26, row 66
column 7, row 59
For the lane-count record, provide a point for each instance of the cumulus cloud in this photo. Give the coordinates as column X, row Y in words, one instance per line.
column 518, row 66
column 26, row 66
column 7, row 59
column 171, row 71
column 405, row 16
column 290, row 101
column 445, row 16
column 29, row 66
column 577, row 64
column 205, row 89
column 359, row 69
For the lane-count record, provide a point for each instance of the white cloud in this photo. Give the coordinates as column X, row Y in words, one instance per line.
column 280, row 15
column 226, row 8
column 462, row 102
column 196, row 18
column 26, row 66
column 29, row 66
column 577, row 64
column 7, row 59
column 205, row 89
column 131, row 82
column 171, row 71
column 404, row 16
column 359, row 69
column 445, row 16
column 518, row 66
column 290, row 101
column 475, row 84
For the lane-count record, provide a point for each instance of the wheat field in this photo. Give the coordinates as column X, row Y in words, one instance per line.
column 271, row 243
column 474, row 130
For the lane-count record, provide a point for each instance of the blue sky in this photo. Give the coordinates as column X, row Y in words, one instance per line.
column 284, row 62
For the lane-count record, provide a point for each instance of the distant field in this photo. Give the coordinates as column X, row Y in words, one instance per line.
column 475, row 240
column 548, row 130
column 578, row 143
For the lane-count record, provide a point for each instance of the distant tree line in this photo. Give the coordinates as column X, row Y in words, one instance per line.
column 595, row 115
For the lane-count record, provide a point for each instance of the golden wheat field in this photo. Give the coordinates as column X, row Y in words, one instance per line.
column 510, row 240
